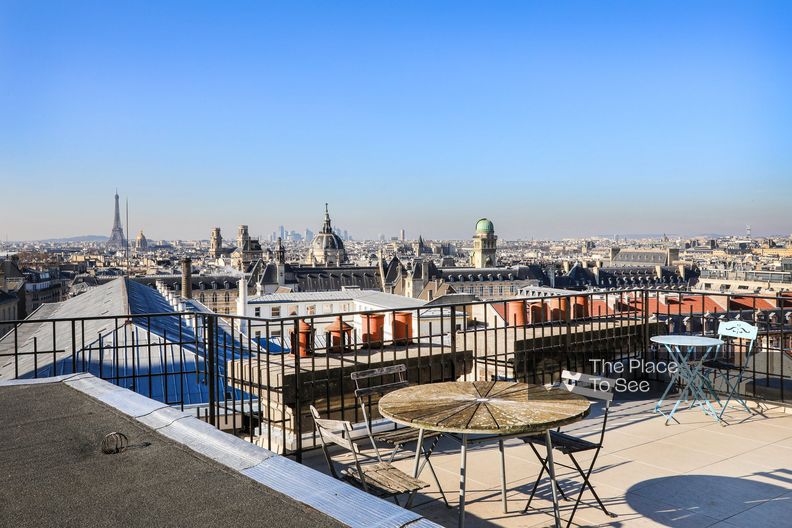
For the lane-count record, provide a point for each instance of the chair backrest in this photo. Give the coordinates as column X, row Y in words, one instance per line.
column 398, row 371
column 329, row 433
column 589, row 385
column 739, row 329
column 593, row 387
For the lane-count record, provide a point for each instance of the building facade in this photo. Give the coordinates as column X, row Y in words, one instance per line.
column 247, row 252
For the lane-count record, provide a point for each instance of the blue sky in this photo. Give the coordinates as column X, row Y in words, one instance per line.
column 551, row 118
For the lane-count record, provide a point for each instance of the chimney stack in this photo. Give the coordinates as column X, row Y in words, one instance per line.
column 186, row 289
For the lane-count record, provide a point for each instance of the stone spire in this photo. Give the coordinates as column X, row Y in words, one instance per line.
column 280, row 252
column 327, row 227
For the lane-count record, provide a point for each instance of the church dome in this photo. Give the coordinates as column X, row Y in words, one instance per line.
column 327, row 248
column 324, row 241
column 140, row 240
column 484, row 226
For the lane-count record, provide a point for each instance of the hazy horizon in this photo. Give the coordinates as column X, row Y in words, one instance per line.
column 553, row 120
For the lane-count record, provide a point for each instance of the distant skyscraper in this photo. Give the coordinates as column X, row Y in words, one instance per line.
column 282, row 232
column 117, row 238
column 402, row 235
column 308, row 235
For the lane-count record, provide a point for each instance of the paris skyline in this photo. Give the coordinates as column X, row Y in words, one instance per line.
column 554, row 121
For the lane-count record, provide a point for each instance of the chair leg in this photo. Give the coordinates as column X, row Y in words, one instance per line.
column 544, row 468
column 432, row 470
column 410, row 498
column 427, row 454
column 733, row 388
column 587, row 484
column 396, row 449
column 533, row 491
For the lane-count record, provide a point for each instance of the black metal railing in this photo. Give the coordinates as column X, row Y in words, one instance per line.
column 256, row 377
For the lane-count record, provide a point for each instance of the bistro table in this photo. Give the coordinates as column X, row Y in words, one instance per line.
column 492, row 409
column 681, row 350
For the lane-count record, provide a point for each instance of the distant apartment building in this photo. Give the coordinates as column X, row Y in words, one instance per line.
column 41, row 287
column 32, row 288
column 9, row 305
column 745, row 281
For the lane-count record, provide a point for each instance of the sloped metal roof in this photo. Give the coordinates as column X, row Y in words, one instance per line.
column 160, row 357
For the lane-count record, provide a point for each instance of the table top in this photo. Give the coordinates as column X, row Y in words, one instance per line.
column 483, row 407
column 686, row 340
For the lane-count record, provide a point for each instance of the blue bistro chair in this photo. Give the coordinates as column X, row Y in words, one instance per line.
column 726, row 363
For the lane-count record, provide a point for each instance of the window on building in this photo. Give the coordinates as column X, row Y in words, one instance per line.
column 328, row 308
column 311, row 309
column 276, row 311
column 293, row 309
column 257, row 311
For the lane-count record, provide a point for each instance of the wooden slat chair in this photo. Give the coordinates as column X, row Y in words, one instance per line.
column 592, row 387
column 396, row 439
column 725, row 364
column 379, row 478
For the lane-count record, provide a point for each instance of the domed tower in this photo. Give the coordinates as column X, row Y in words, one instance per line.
column 484, row 245
column 327, row 248
column 141, row 243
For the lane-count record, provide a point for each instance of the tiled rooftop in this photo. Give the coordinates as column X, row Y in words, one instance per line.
column 693, row 474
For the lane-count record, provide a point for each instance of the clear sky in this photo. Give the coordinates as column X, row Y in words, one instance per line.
column 551, row 118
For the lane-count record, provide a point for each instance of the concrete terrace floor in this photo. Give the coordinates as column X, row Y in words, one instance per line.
column 693, row 474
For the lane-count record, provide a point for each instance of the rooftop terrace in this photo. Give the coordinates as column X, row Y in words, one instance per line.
column 694, row 474
column 255, row 380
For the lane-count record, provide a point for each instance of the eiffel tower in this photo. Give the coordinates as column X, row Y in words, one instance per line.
column 117, row 239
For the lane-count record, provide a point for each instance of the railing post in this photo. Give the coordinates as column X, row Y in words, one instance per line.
column 452, row 322
column 297, row 401
column 211, row 351
column 645, row 315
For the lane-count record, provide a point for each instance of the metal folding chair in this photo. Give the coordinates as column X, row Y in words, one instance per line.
column 395, row 438
column 726, row 363
column 592, row 387
column 380, row 478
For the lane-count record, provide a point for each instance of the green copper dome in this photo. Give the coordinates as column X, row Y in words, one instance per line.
column 484, row 226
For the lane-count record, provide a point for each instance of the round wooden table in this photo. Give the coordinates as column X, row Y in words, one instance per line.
column 491, row 408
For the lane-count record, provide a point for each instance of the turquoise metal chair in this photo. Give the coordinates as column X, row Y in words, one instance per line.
column 726, row 363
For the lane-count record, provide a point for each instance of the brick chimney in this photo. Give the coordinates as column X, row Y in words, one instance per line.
column 186, row 278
